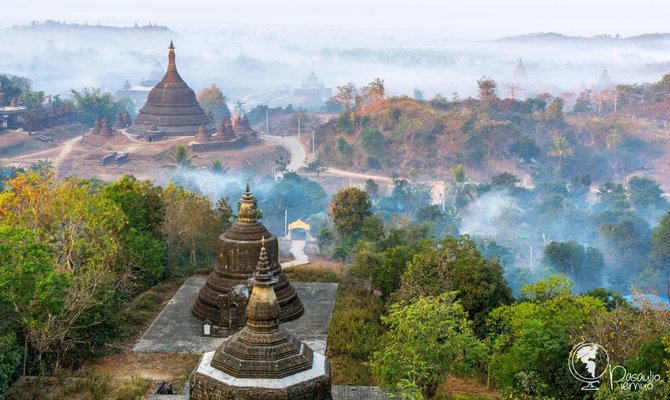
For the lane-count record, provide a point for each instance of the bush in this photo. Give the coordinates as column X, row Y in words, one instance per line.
column 354, row 333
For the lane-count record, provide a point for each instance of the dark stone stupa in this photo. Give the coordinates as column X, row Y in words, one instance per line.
column 262, row 361
column 172, row 106
column 237, row 257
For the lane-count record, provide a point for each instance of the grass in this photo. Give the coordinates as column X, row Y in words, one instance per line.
column 134, row 388
column 354, row 334
column 144, row 308
column 88, row 386
column 315, row 273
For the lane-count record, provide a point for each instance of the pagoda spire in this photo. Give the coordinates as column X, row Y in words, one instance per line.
column 247, row 213
column 171, row 75
column 263, row 274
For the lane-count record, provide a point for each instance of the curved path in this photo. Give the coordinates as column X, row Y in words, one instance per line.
column 293, row 145
column 67, row 149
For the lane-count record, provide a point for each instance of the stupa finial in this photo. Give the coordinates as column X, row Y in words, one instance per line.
column 247, row 212
column 263, row 274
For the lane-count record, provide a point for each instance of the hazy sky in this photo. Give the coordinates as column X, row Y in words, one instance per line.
column 443, row 18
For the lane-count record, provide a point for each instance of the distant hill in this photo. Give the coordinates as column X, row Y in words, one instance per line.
column 50, row 25
column 559, row 37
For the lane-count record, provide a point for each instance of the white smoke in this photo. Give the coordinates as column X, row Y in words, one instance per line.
column 484, row 217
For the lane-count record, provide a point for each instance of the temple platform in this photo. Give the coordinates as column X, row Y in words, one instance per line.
column 338, row 393
column 177, row 330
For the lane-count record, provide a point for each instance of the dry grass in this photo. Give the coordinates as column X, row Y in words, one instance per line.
column 317, row 271
column 454, row 388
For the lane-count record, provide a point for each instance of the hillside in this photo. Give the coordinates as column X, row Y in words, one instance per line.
column 428, row 138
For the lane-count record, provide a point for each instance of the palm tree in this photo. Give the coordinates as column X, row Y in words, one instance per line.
column 459, row 189
column 561, row 149
column 219, row 168
column 180, row 158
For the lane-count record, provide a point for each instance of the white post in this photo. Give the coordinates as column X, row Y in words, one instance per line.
column 267, row 121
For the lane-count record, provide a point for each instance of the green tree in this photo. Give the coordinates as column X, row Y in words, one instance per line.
column 425, row 341
column 142, row 254
column 225, row 212
column 459, row 189
column 505, row 180
column 457, row 265
column 180, row 158
column 372, row 188
column 11, row 87
column 93, row 103
column 645, row 195
column 219, row 168
column 532, row 339
column 31, row 291
column 612, row 197
column 372, row 141
column 525, row 148
column 349, row 208
column 33, row 101
column 584, row 265
column 660, row 245
column 560, row 149
column 317, row 166
column 10, row 358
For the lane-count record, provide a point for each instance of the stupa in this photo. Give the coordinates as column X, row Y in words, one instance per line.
column 172, row 106
column 118, row 123
column 262, row 361
column 226, row 132
column 238, row 253
column 242, row 128
column 126, row 118
column 105, row 130
column 202, row 135
column 96, row 127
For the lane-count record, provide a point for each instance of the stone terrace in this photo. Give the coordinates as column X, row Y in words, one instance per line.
column 177, row 330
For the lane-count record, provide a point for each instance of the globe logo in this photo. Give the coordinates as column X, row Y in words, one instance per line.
column 588, row 363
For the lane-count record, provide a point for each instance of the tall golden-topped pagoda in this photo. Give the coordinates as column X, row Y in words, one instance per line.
column 237, row 257
column 172, row 106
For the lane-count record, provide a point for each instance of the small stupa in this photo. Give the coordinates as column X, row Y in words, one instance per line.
column 262, row 361
column 242, row 128
column 96, row 127
column 226, row 132
column 202, row 135
column 105, row 129
column 126, row 119
column 118, row 123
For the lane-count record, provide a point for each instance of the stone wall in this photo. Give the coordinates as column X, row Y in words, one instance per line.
column 219, row 146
